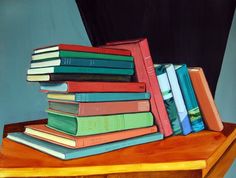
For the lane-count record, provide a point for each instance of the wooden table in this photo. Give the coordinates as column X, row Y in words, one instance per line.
column 203, row 154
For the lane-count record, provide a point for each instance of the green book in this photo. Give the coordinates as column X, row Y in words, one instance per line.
column 74, row 54
column 90, row 125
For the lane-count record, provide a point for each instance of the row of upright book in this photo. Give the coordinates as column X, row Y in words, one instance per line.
column 110, row 97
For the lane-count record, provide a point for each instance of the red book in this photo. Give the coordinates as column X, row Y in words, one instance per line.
column 145, row 72
column 75, row 86
column 73, row 47
column 44, row 133
column 99, row 108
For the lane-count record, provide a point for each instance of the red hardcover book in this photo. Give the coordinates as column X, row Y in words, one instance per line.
column 44, row 133
column 145, row 72
column 99, row 108
column 73, row 47
column 74, row 86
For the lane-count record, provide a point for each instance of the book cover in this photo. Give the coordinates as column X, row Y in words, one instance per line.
column 205, row 99
column 76, row 47
column 144, row 71
column 42, row 132
column 99, row 108
column 189, row 98
column 90, row 125
column 83, row 70
column 99, row 97
column 82, row 63
column 178, row 98
column 78, row 77
column 67, row 153
column 76, row 54
column 168, row 98
column 74, row 86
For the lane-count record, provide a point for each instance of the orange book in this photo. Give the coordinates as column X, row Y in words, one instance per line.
column 99, row 108
column 42, row 132
column 206, row 102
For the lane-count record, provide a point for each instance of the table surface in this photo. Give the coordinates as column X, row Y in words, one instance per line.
column 197, row 151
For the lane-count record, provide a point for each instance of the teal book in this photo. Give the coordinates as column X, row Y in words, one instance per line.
column 81, row 62
column 98, row 97
column 75, row 54
column 189, row 98
column 168, row 98
column 67, row 153
column 81, row 70
column 90, row 125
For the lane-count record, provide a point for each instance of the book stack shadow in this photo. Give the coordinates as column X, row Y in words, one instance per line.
column 93, row 105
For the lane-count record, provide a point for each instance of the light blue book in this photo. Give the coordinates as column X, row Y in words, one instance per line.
column 178, row 98
column 99, row 97
column 189, row 98
column 67, row 153
column 83, row 63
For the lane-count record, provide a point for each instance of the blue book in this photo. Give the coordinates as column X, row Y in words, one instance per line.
column 83, row 63
column 67, row 153
column 98, row 97
column 189, row 98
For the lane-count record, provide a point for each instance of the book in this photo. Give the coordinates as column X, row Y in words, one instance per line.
column 78, row 77
column 76, row 47
column 144, row 71
column 178, row 98
column 205, row 99
column 99, row 108
column 168, row 98
column 82, row 63
column 189, row 98
column 42, row 132
column 74, row 86
column 67, row 153
column 99, row 97
column 83, row 70
column 78, row 54
column 90, row 125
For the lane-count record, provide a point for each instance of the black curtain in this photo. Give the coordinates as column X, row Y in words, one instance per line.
column 178, row 31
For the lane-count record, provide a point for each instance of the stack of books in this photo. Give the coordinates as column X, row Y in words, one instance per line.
column 93, row 107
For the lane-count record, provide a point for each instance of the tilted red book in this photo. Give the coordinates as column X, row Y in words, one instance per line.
column 73, row 47
column 145, row 72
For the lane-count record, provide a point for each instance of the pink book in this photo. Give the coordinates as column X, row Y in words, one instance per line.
column 145, row 72
column 42, row 132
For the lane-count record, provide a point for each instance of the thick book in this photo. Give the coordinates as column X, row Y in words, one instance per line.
column 99, row 108
column 98, row 97
column 78, row 54
column 205, row 99
column 80, row 70
column 76, row 47
column 74, row 86
column 82, row 63
column 90, row 125
column 42, row 132
column 189, row 98
column 144, row 71
column 67, row 153
column 168, row 98
column 178, row 98
column 79, row 77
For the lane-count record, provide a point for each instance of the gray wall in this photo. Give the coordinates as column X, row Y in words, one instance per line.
column 25, row 25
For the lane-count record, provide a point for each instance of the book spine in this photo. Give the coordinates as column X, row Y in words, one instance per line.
column 178, row 98
column 190, row 99
column 168, row 99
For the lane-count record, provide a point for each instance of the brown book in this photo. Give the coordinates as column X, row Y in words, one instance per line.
column 206, row 102
column 42, row 132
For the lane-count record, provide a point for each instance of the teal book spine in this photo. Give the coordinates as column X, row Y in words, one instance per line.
column 168, row 99
column 99, row 97
column 189, row 98
column 67, row 153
